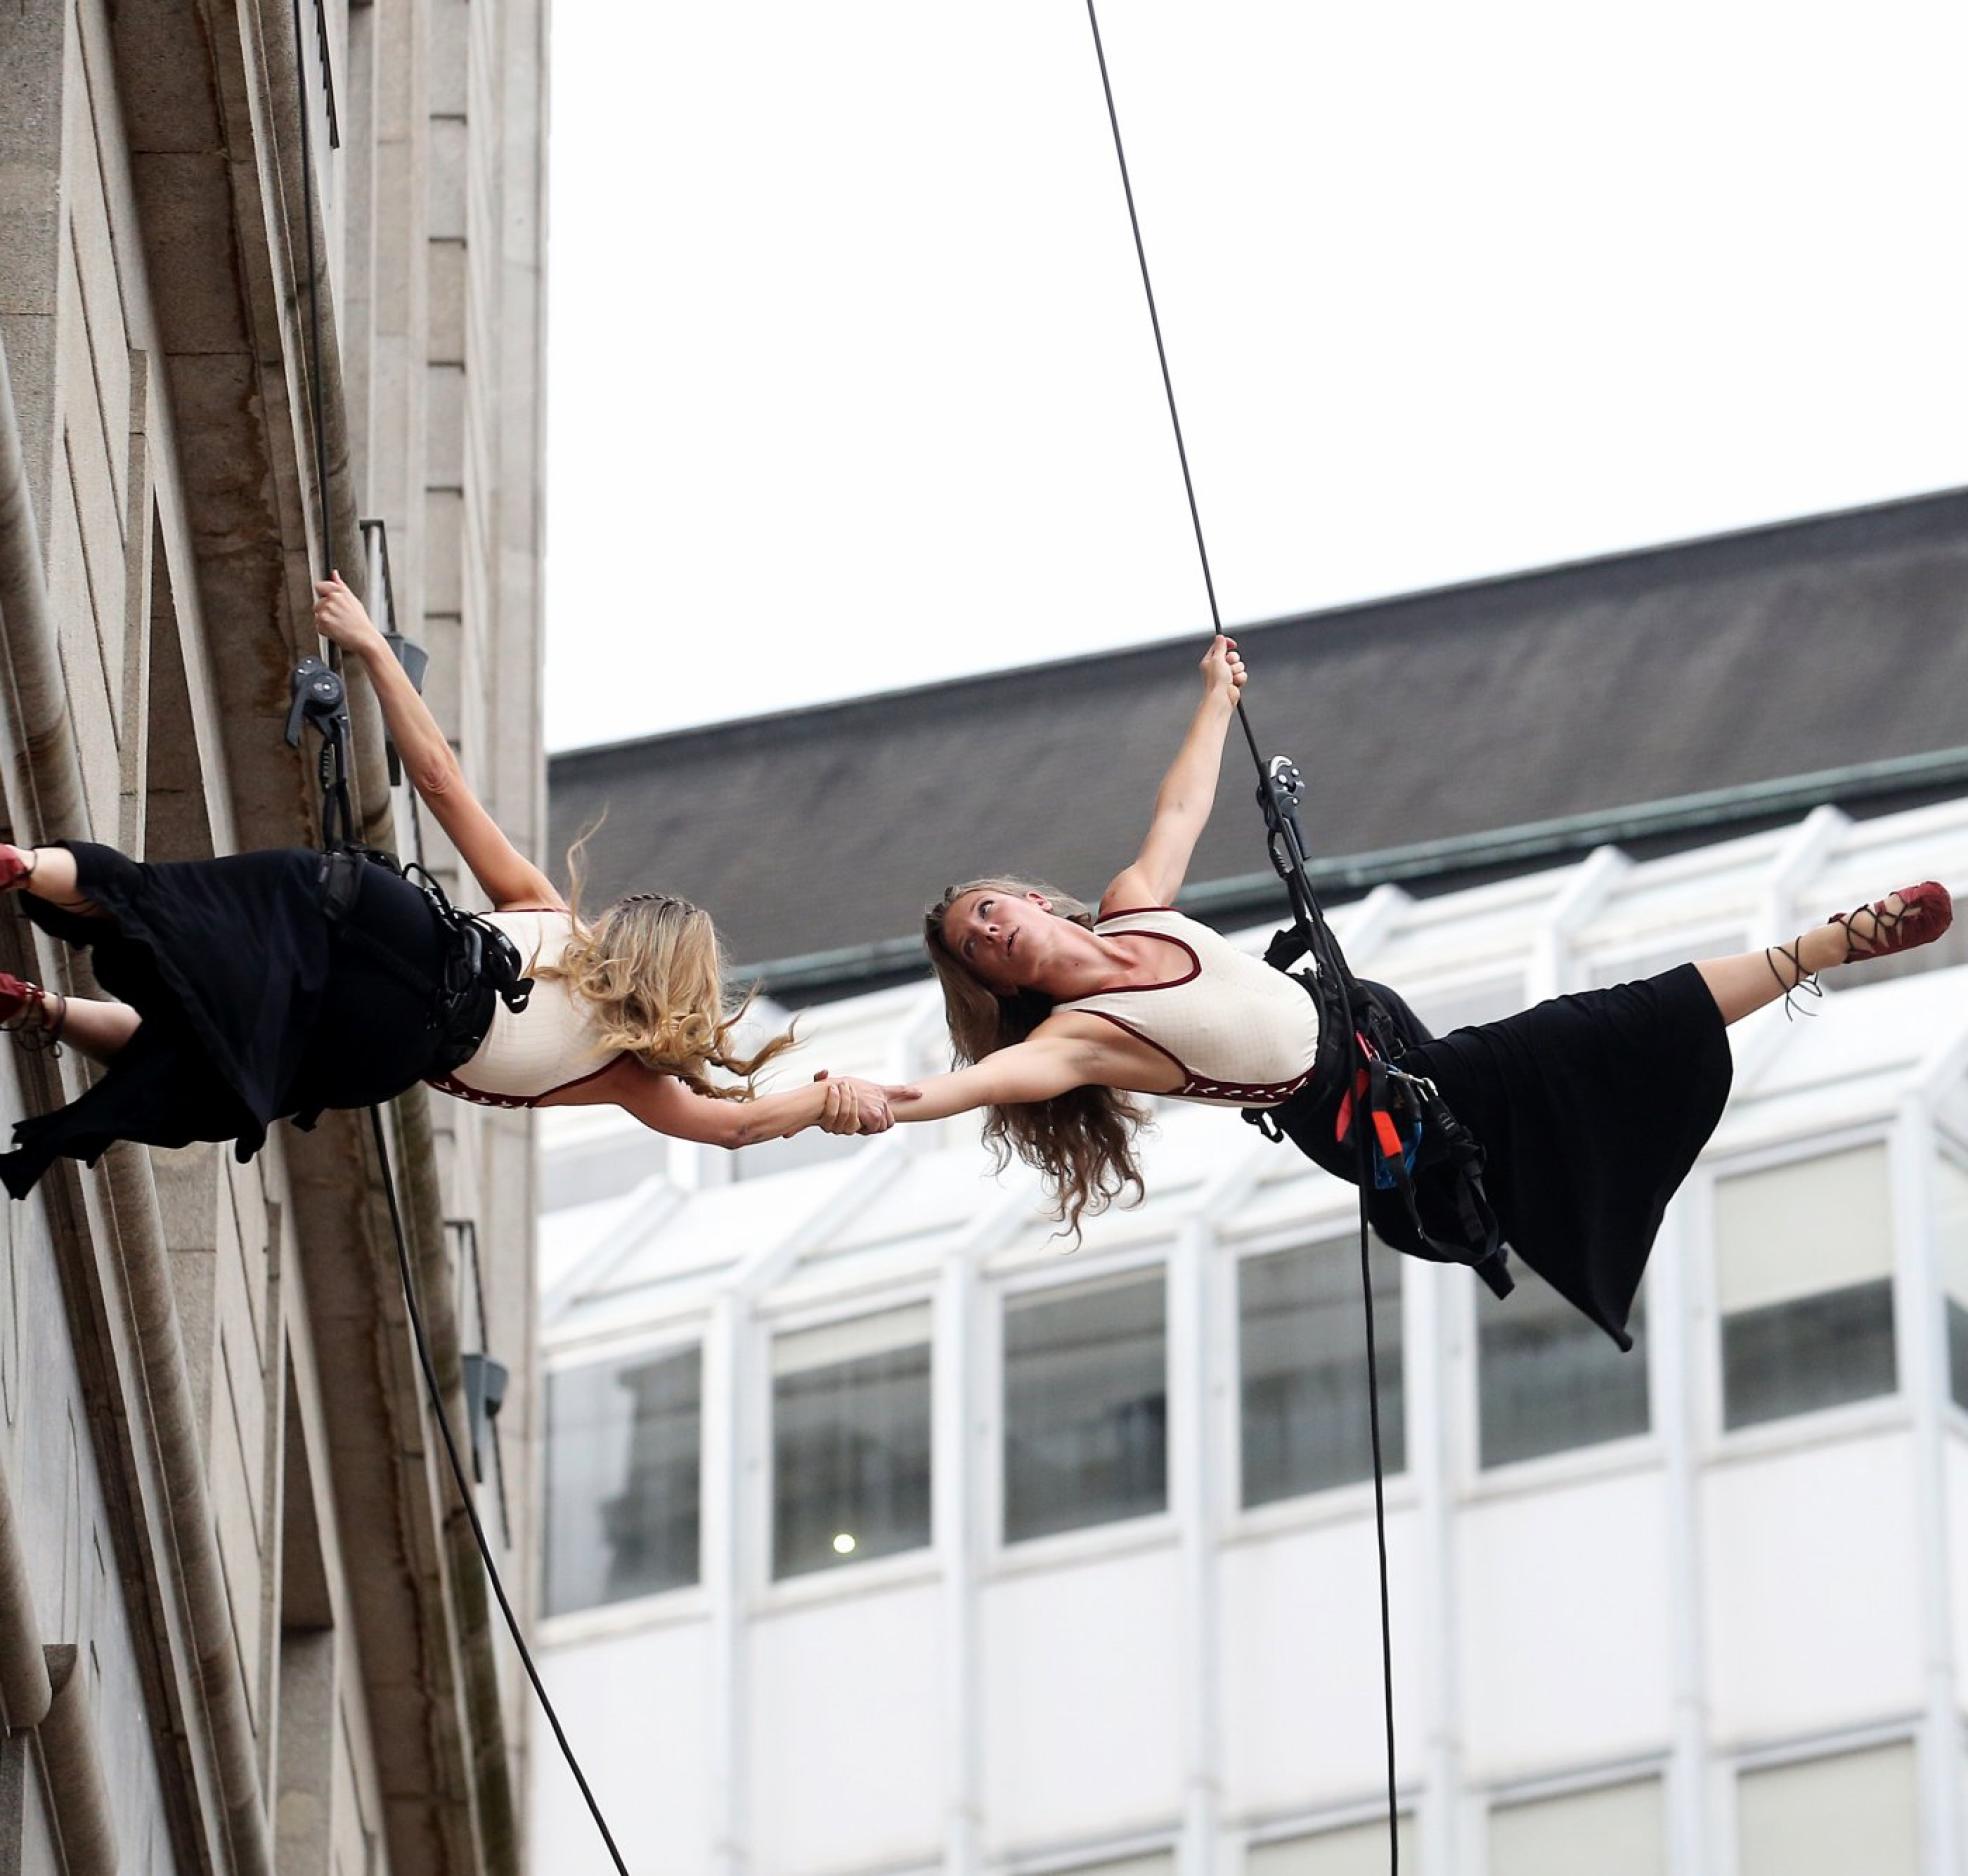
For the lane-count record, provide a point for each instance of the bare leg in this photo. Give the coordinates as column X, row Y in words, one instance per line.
column 50, row 874
column 1742, row 984
column 98, row 1027
column 95, row 1025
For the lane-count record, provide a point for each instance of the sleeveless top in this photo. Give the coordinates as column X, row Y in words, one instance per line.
column 549, row 1045
column 1242, row 1033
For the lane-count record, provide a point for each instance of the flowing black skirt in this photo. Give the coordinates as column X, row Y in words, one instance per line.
column 253, row 1005
column 1591, row 1110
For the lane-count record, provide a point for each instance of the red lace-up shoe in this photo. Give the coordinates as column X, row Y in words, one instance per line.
column 1926, row 912
column 16, row 864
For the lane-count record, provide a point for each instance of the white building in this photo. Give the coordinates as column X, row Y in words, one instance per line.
column 883, row 1536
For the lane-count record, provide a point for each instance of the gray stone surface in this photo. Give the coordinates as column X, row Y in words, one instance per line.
column 151, row 267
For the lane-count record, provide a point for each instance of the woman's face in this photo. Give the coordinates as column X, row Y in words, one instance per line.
column 1003, row 938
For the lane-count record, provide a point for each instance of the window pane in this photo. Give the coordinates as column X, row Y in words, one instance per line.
column 1802, row 1228
column 1548, row 1378
column 1951, row 1232
column 1794, row 1358
column 1302, row 1344
column 1830, row 1817
column 1625, row 1825
column 1804, row 1256
column 622, row 1479
column 850, row 1441
column 1957, row 1339
column 1086, row 1406
column 1358, row 1850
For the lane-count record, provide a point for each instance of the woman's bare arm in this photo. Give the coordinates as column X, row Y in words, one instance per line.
column 1036, row 1069
column 1188, row 790
column 843, row 1104
column 508, row 877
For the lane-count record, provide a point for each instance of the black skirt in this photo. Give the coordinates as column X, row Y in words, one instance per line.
column 253, row 1006
column 1591, row 1110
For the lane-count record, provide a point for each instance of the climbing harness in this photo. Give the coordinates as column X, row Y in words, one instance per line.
column 481, row 962
column 1428, row 1196
column 1410, row 1146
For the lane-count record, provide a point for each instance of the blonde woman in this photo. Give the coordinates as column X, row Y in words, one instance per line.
column 1591, row 1108
column 269, row 985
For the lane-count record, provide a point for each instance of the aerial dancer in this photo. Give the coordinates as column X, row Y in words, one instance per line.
column 1590, row 1108
column 279, row 984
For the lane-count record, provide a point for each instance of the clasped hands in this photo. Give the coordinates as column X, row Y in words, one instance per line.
column 851, row 1105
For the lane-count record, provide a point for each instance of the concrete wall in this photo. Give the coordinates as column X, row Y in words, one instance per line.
column 215, row 1452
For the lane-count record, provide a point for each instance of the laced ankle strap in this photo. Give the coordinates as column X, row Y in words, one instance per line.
column 1885, row 924
column 1802, row 982
column 31, row 1026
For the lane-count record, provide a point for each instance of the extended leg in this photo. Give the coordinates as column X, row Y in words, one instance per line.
column 47, row 872
column 37, row 1017
column 1898, row 922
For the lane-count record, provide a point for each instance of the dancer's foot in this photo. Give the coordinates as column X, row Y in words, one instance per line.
column 31, row 1015
column 16, row 866
column 1903, row 920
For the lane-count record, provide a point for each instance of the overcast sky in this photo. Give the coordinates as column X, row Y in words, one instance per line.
column 851, row 385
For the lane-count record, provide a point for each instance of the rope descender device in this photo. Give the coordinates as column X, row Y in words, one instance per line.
column 319, row 700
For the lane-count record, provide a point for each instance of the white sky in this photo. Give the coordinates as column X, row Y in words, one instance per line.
column 851, row 385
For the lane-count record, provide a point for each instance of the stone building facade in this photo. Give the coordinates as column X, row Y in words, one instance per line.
column 242, row 1623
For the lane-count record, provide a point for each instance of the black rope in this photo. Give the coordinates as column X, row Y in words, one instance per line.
column 1161, row 352
column 1325, row 954
column 316, row 393
column 465, row 1496
column 464, row 1488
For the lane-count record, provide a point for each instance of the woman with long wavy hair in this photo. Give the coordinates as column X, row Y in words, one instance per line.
column 265, row 985
column 1590, row 1108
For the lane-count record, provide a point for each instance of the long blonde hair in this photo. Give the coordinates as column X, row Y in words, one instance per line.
column 651, row 972
column 1083, row 1141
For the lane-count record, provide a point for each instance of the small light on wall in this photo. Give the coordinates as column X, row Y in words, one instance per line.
column 843, row 1542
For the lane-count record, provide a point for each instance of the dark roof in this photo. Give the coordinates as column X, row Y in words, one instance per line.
column 1432, row 729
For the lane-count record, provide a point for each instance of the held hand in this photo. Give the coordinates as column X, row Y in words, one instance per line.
column 838, row 1113
column 851, row 1105
column 340, row 617
column 1223, row 671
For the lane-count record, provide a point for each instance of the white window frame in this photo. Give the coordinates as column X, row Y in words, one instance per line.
column 1509, row 1794
column 1474, row 1483
column 764, row 1593
column 663, row 1608
column 1719, row 1444
column 1083, row 1858
column 1409, row 1803
column 1118, row 1536
column 1944, row 1143
column 1223, row 1382
column 1725, row 1825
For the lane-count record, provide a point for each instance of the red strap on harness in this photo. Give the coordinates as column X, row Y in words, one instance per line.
column 1343, row 1120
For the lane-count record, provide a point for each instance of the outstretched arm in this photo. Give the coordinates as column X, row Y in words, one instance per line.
column 843, row 1104
column 507, row 876
column 1188, row 790
column 1034, row 1070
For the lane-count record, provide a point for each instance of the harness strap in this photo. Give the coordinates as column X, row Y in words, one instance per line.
column 1411, row 1134
column 479, row 962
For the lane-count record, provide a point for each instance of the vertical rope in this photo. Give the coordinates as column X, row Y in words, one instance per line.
column 1366, row 1175
column 1161, row 353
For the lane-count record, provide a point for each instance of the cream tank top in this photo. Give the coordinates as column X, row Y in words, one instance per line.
column 538, row 1051
column 1243, row 1034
